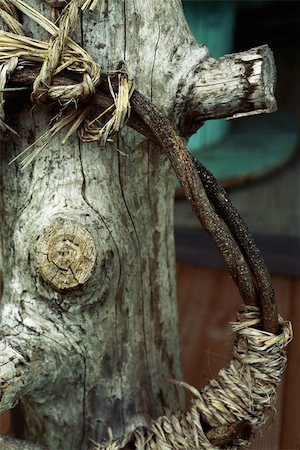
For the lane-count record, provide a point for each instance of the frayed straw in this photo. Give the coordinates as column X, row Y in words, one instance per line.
column 58, row 54
column 76, row 58
column 91, row 4
column 8, row 15
column 45, row 139
column 242, row 391
column 6, row 69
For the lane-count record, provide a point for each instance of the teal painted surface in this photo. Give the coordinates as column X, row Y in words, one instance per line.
column 247, row 148
column 255, row 146
column 212, row 23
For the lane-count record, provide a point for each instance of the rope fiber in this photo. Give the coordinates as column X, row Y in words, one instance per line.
column 244, row 390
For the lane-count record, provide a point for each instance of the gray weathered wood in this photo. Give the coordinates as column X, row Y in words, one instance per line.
column 100, row 354
column 7, row 443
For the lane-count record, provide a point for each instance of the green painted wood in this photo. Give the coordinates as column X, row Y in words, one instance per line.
column 212, row 24
column 255, row 146
column 252, row 147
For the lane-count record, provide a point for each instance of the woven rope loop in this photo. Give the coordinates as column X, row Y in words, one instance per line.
column 42, row 92
column 242, row 391
column 60, row 53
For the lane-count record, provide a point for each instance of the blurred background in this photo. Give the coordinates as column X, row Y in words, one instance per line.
column 257, row 159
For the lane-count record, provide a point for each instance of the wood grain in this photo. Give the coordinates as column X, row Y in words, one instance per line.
column 290, row 435
column 207, row 301
column 5, row 417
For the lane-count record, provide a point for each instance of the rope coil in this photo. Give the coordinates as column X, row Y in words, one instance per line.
column 61, row 53
column 58, row 41
column 244, row 390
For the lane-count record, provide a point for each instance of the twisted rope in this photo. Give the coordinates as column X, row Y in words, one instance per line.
column 9, row 16
column 6, row 69
column 56, row 46
column 244, row 390
column 58, row 54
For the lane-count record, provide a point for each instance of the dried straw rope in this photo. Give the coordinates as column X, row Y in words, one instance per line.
column 6, row 69
column 58, row 54
column 244, row 390
column 56, row 45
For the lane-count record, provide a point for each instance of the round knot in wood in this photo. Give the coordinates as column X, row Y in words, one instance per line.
column 65, row 254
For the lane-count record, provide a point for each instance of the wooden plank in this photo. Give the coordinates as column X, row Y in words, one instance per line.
column 198, row 299
column 5, row 423
column 290, row 436
column 217, row 334
column 208, row 300
column 211, row 303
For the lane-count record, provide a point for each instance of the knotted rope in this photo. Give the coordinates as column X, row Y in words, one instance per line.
column 42, row 90
column 59, row 54
column 244, row 390
column 6, row 69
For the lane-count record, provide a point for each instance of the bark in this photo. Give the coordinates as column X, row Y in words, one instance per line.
column 88, row 317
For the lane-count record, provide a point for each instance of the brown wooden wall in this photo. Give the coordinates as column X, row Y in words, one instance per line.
column 208, row 301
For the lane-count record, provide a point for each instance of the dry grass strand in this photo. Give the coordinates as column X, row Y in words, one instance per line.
column 58, row 54
column 244, row 390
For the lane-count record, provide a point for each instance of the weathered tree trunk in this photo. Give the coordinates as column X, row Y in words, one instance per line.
column 88, row 318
